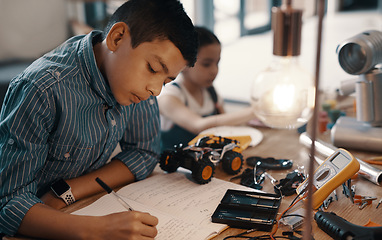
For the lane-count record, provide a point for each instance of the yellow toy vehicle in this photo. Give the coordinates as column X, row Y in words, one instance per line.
column 203, row 153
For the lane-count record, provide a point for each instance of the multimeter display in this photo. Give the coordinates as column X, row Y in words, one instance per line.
column 340, row 161
column 334, row 171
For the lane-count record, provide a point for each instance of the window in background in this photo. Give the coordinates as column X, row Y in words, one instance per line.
column 95, row 14
column 229, row 20
column 256, row 17
column 233, row 19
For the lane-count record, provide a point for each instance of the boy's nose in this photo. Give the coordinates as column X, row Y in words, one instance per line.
column 155, row 90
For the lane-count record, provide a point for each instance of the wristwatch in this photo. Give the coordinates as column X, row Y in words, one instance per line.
column 63, row 191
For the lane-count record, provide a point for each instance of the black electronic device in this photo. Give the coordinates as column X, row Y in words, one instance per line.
column 269, row 163
column 246, row 209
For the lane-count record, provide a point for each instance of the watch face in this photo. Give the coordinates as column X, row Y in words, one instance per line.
column 60, row 187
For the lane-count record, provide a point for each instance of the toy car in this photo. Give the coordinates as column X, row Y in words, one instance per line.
column 203, row 153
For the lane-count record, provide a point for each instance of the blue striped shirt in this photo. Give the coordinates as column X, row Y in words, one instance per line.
column 60, row 120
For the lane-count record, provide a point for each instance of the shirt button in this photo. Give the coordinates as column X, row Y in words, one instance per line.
column 151, row 101
column 113, row 123
column 11, row 141
column 57, row 74
column 67, row 155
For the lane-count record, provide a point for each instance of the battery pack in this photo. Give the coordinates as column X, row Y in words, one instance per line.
column 247, row 210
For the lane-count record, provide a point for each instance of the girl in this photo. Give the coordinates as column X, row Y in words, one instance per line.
column 190, row 104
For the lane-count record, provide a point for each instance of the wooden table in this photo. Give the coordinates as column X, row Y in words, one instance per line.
column 285, row 144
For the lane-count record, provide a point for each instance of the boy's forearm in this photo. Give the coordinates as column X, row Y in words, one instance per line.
column 45, row 222
column 115, row 174
column 42, row 221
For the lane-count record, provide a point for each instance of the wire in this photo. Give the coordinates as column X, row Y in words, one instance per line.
column 374, row 160
column 277, row 222
column 298, row 195
column 240, row 235
column 261, row 237
column 293, row 215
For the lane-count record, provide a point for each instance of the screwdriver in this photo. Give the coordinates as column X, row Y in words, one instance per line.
column 380, row 201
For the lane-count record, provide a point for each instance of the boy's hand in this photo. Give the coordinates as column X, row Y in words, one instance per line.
column 128, row 225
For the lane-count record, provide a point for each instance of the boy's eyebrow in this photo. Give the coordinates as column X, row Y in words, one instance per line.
column 164, row 66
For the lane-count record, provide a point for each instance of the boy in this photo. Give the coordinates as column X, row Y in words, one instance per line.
column 64, row 115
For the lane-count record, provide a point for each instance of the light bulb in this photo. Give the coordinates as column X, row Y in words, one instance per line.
column 283, row 94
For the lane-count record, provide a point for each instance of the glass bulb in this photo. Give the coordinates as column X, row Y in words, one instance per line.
column 283, row 94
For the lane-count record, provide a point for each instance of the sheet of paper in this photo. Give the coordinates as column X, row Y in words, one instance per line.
column 169, row 227
column 176, row 193
column 183, row 207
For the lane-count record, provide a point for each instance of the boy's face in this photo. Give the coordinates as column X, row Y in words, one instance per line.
column 206, row 67
column 136, row 74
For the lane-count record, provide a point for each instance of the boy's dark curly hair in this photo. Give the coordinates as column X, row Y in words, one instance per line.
column 149, row 20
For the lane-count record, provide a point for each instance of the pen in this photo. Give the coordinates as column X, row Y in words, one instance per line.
column 109, row 190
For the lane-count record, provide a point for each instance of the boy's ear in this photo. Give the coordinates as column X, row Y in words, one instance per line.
column 117, row 32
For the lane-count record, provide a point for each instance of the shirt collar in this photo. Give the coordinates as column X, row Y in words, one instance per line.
column 89, row 66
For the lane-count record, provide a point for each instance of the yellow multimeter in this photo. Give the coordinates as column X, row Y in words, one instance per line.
column 334, row 171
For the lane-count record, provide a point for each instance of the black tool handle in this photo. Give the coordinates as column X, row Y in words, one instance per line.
column 339, row 228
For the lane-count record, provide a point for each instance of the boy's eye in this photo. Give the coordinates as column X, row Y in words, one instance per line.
column 150, row 68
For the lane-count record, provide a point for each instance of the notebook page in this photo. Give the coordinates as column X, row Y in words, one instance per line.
column 178, row 195
column 169, row 227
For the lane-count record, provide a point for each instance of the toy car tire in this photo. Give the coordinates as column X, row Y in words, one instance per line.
column 168, row 162
column 203, row 171
column 232, row 162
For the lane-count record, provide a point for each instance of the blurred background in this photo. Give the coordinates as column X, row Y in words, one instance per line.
column 30, row 28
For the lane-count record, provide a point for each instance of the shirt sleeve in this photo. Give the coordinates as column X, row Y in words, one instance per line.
column 24, row 120
column 140, row 144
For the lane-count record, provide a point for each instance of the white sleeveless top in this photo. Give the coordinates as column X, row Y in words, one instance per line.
column 185, row 97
